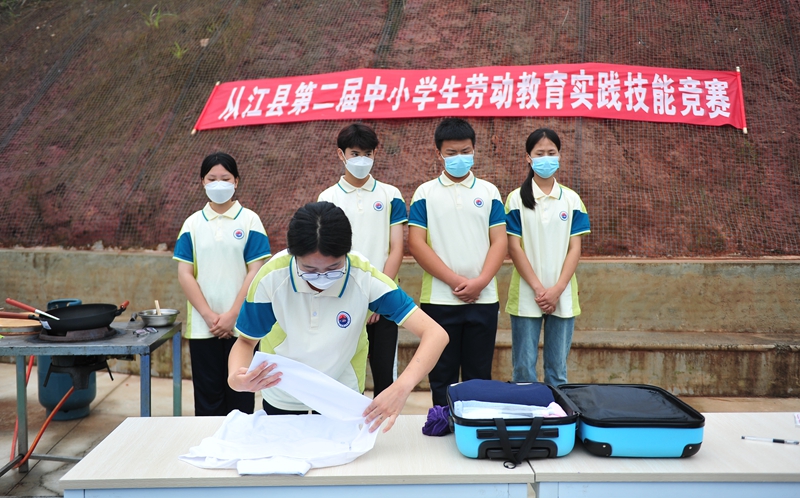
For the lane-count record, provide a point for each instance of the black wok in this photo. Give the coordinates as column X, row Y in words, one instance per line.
column 81, row 317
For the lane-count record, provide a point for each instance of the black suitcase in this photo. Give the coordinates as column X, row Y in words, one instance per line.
column 626, row 420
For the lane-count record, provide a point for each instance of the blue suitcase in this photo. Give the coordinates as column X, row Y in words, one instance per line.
column 623, row 420
column 511, row 439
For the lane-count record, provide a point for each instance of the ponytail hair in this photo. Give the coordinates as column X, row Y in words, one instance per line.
column 526, row 190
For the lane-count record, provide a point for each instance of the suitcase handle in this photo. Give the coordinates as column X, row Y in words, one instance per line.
column 522, row 454
column 549, row 433
column 496, row 454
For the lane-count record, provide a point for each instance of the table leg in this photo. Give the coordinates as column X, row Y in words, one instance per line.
column 177, row 374
column 22, row 411
column 144, row 370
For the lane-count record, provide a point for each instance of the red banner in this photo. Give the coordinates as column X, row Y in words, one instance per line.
column 602, row 91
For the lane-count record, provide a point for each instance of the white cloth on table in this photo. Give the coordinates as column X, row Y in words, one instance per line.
column 277, row 465
column 291, row 444
column 488, row 410
column 315, row 389
column 280, row 444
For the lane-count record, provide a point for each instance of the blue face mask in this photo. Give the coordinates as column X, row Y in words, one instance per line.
column 459, row 165
column 545, row 166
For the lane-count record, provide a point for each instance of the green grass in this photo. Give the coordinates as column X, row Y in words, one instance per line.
column 153, row 19
column 10, row 9
column 178, row 51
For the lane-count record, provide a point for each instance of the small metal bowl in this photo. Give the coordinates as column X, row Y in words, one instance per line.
column 152, row 319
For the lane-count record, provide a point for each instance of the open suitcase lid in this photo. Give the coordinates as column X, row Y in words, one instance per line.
column 630, row 405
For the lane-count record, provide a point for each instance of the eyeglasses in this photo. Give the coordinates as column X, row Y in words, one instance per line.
column 330, row 275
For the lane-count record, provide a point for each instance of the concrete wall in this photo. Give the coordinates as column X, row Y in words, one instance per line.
column 731, row 300
column 699, row 295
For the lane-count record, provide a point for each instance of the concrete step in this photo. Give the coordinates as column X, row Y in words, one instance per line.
column 683, row 362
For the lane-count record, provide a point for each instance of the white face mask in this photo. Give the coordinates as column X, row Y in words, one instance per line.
column 359, row 166
column 220, row 192
column 323, row 283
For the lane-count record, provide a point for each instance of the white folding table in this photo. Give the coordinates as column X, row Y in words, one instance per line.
column 141, row 455
column 726, row 465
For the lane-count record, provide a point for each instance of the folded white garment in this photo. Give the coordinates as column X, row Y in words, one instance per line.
column 276, row 465
column 281, row 444
column 315, row 389
column 291, row 444
column 487, row 410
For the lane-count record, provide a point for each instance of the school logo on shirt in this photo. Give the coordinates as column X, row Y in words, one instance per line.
column 343, row 319
column 563, row 215
column 238, row 234
column 478, row 202
column 378, row 206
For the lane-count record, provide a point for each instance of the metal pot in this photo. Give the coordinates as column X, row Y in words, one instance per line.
column 151, row 318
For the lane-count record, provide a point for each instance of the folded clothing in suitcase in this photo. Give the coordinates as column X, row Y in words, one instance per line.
column 517, row 424
column 622, row 420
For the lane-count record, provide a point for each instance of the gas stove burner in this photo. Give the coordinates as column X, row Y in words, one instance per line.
column 78, row 367
column 79, row 335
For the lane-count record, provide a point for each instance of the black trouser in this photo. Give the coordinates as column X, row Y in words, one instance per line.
column 382, row 347
column 212, row 395
column 472, row 329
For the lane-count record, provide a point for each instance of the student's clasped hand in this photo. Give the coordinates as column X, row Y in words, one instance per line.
column 261, row 377
column 211, row 319
column 548, row 299
column 222, row 327
column 469, row 290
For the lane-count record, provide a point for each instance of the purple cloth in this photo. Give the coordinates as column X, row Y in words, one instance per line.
column 438, row 423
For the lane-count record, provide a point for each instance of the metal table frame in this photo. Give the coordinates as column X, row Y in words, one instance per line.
column 122, row 344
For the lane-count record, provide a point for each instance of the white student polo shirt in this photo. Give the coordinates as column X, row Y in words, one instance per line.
column 457, row 217
column 545, row 232
column 372, row 210
column 324, row 330
column 219, row 246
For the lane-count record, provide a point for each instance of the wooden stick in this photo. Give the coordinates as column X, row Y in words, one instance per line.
column 202, row 113
column 158, row 308
column 741, row 97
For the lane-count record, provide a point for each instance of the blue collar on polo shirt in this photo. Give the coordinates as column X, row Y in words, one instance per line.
column 370, row 185
column 468, row 182
column 300, row 285
column 555, row 193
column 232, row 213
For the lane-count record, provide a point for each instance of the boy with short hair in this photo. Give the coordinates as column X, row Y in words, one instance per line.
column 457, row 234
column 377, row 213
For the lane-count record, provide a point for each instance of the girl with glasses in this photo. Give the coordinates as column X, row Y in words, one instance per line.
column 310, row 303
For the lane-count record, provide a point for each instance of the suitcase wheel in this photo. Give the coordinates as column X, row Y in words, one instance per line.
column 596, row 448
column 690, row 449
